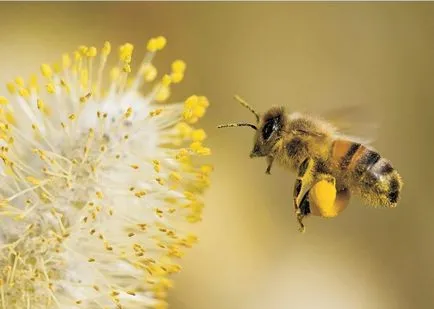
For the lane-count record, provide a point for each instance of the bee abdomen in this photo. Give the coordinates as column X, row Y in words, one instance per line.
column 382, row 179
column 378, row 182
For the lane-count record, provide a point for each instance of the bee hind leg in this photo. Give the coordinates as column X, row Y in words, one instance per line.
column 302, row 185
column 316, row 194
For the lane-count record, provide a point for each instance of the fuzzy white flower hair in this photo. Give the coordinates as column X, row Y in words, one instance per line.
column 96, row 183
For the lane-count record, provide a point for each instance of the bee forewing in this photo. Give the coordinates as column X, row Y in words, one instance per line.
column 355, row 121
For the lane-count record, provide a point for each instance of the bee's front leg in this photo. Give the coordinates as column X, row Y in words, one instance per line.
column 270, row 160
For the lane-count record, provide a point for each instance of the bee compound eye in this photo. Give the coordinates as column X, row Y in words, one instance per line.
column 268, row 129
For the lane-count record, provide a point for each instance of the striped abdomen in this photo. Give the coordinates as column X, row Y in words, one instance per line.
column 367, row 173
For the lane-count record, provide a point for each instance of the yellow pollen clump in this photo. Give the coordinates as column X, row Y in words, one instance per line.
column 106, row 49
column 3, row 101
column 199, row 149
column 178, row 66
column 149, row 73
column 46, row 71
column 125, row 52
column 92, row 51
column 11, row 88
column 194, row 108
column 178, row 69
column 198, row 135
column 323, row 196
column 166, row 80
column 19, row 81
column 162, row 94
column 184, row 130
column 50, row 88
column 156, row 44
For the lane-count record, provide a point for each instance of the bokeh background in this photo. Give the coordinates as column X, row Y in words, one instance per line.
column 305, row 56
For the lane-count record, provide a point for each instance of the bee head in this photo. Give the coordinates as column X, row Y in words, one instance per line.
column 268, row 128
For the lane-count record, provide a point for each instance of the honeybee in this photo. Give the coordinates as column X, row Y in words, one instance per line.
column 330, row 166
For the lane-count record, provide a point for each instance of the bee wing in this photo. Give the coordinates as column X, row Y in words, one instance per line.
column 355, row 121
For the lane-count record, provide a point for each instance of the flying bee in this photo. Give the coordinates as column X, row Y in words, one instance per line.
column 330, row 166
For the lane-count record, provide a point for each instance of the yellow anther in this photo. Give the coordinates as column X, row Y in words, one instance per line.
column 83, row 49
column 157, row 166
column 182, row 155
column 166, row 80
column 134, row 166
column 86, row 97
column 92, row 52
column 57, row 68
column 203, row 101
column 206, row 169
column 99, row 194
column 33, row 180
column 90, row 260
column 33, row 82
column 160, row 181
column 140, row 194
column 11, row 88
column 189, row 195
column 3, row 101
column 177, row 77
column 152, row 45
column 10, row 118
column 174, row 176
column 163, row 93
column 77, row 56
column 108, row 247
column 46, row 70
column 66, row 61
column 199, row 149
column 155, row 112
column 178, row 66
column 198, row 111
column 129, row 112
column 106, row 49
column 160, row 42
column 198, row 135
column 125, row 52
column 19, row 81
column 150, row 72
column 50, row 88
column 131, row 234
column 72, row 117
column 23, row 92
column 184, row 130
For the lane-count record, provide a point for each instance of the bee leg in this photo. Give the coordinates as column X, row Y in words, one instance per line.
column 270, row 160
column 302, row 185
column 303, row 211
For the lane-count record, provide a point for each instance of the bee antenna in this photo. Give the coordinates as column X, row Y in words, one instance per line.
column 244, row 103
column 231, row 125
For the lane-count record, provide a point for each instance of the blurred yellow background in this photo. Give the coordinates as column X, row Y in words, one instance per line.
column 305, row 56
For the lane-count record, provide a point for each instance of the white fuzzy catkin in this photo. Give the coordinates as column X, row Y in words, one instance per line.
column 96, row 183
